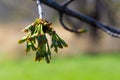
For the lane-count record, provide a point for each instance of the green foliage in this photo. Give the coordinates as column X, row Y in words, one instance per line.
column 36, row 39
column 65, row 68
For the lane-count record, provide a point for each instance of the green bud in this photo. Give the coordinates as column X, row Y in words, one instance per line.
column 32, row 29
column 60, row 44
column 33, row 47
column 32, row 38
column 56, row 48
column 26, row 29
column 28, row 46
column 47, row 58
column 37, row 57
column 22, row 40
column 83, row 30
column 64, row 43
column 36, row 39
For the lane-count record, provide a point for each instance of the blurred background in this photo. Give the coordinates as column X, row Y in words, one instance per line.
column 90, row 56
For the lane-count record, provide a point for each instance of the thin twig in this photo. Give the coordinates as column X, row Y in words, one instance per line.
column 40, row 13
column 65, row 27
column 67, row 3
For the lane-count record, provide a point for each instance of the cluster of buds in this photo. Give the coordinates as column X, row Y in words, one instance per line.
column 37, row 41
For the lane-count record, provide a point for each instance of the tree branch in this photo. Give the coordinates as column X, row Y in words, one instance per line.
column 60, row 8
column 66, row 3
column 71, row 30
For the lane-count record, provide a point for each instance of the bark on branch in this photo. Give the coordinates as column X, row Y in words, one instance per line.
column 64, row 10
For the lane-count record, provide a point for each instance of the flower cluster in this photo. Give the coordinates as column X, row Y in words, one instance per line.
column 37, row 41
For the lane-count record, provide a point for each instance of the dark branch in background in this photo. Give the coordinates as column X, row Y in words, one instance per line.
column 65, row 4
column 71, row 30
column 62, row 9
